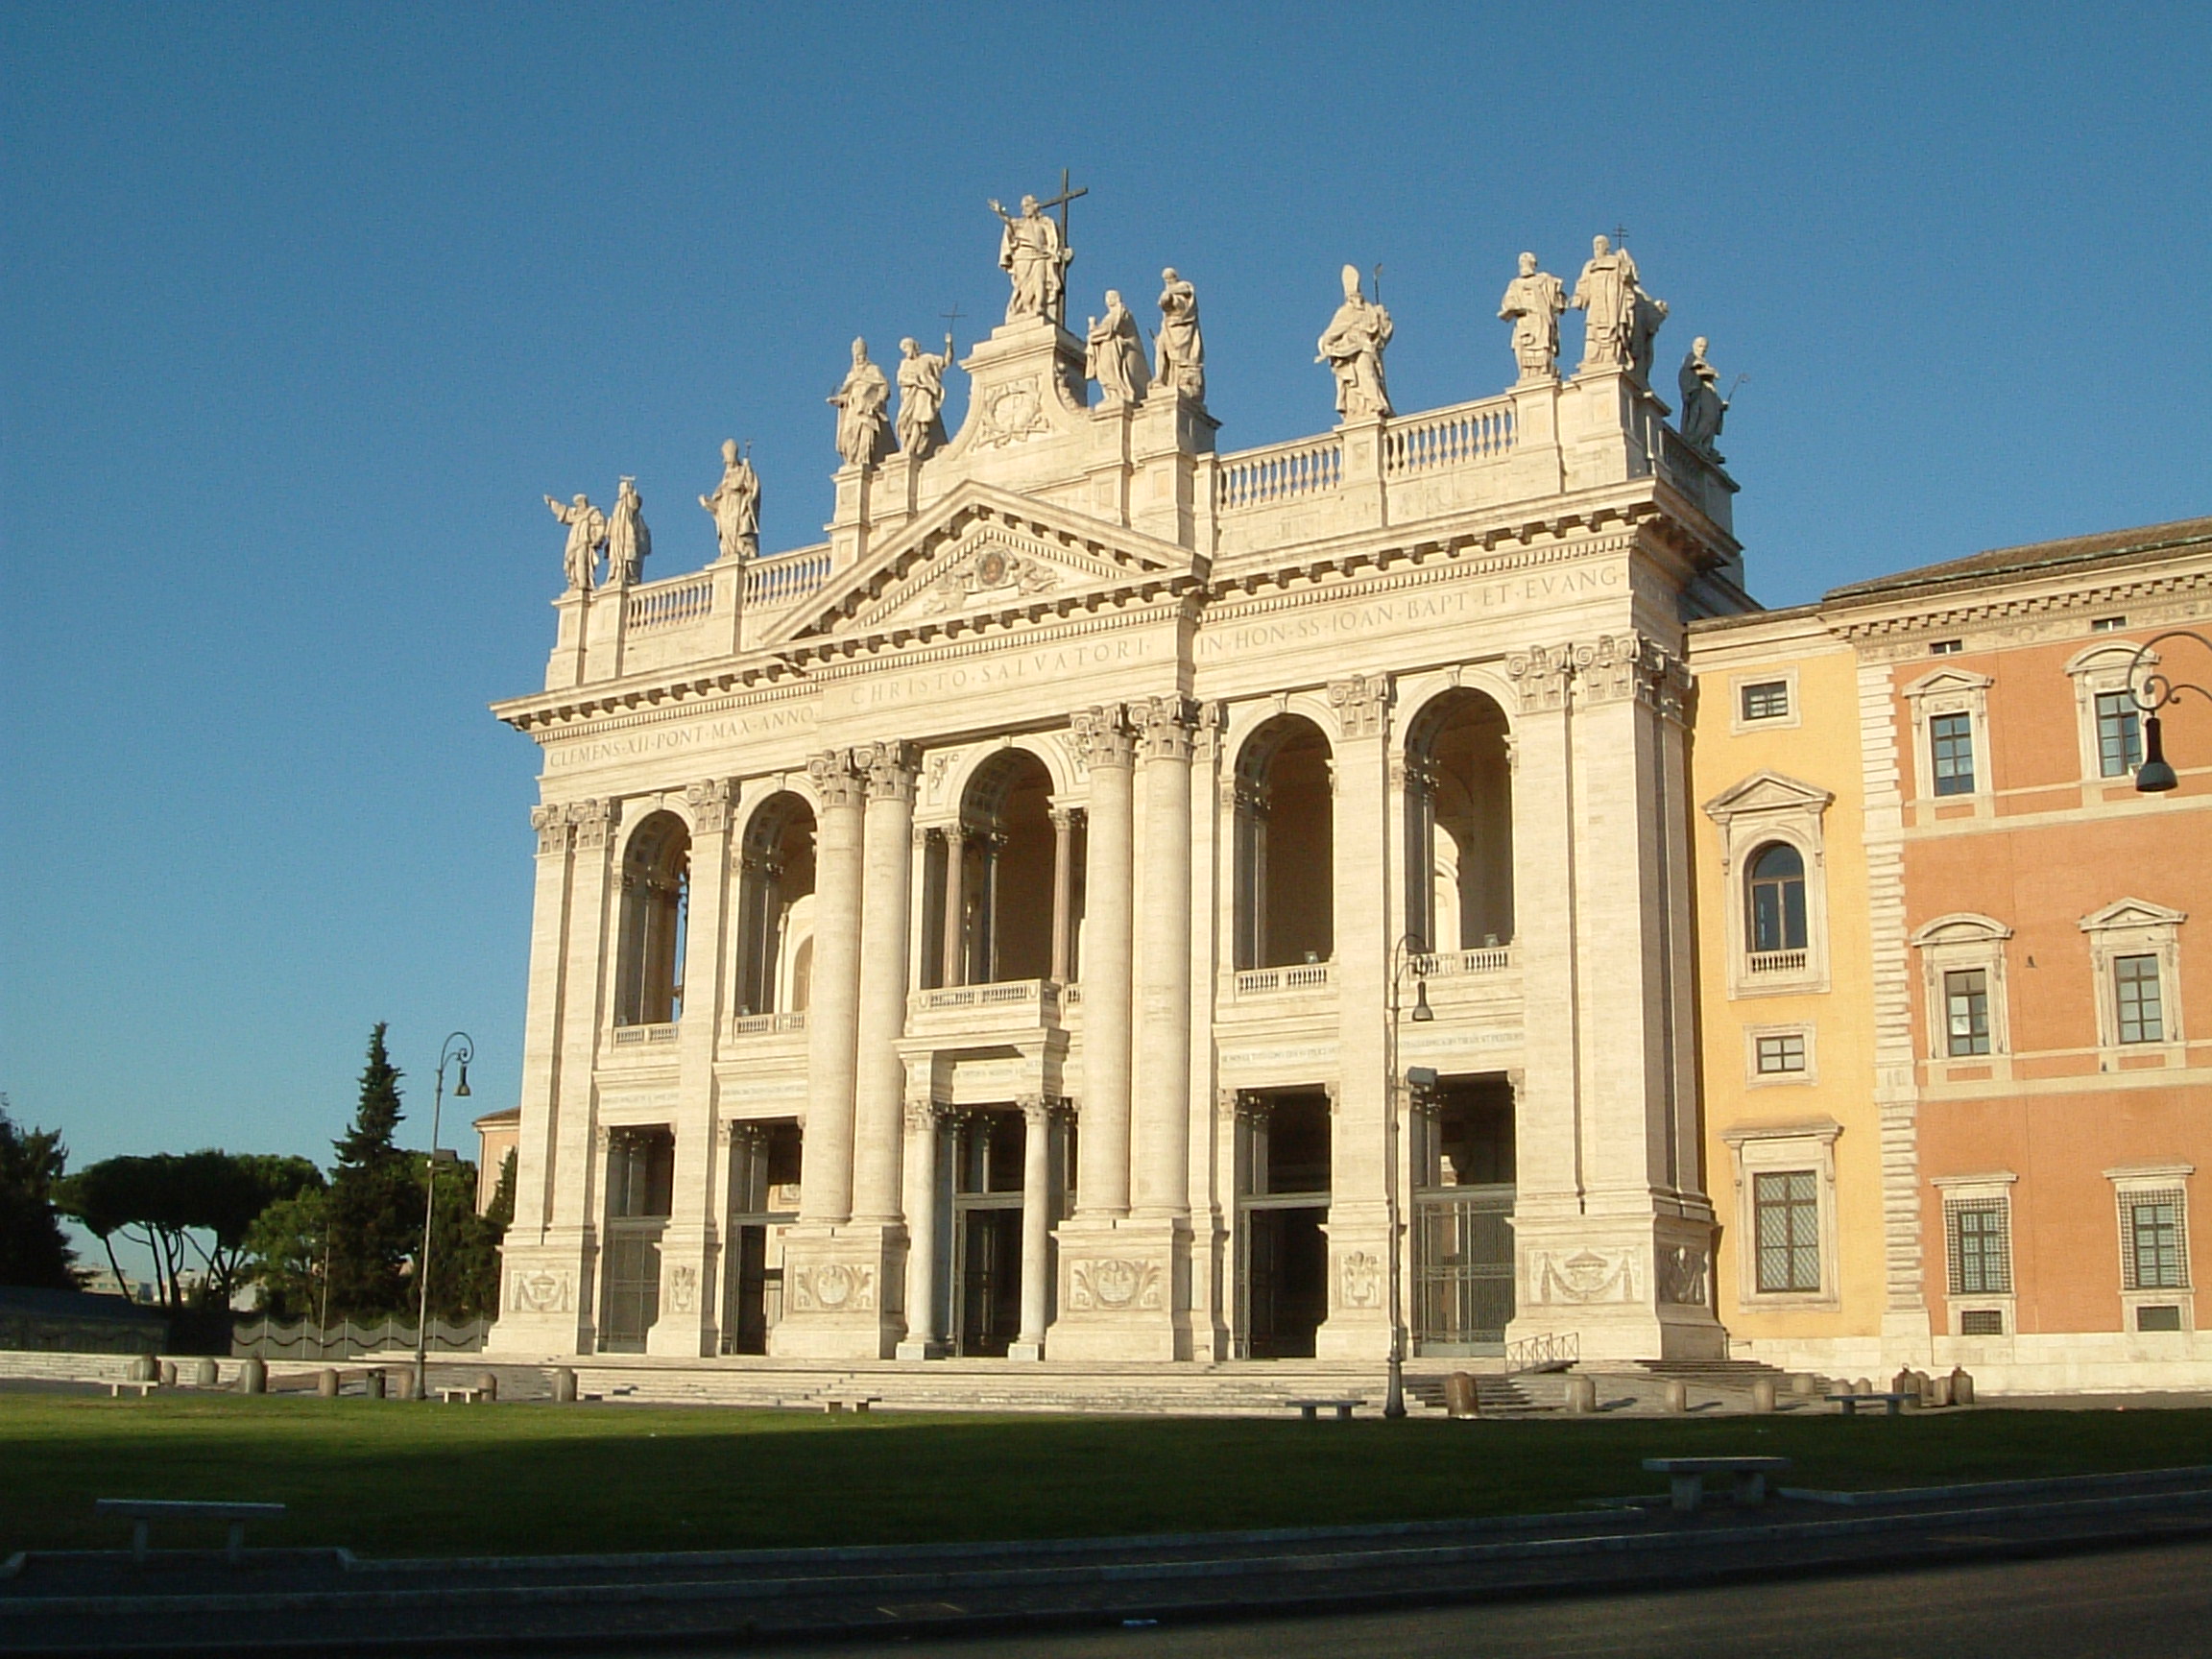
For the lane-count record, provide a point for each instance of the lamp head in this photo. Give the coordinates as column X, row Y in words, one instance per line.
column 1422, row 1012
column 461, row 1090
column 2154, row 777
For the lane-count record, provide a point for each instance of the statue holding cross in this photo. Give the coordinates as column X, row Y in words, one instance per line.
column 1034, row 253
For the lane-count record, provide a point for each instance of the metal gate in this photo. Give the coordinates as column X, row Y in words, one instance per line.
column 1462, row 1270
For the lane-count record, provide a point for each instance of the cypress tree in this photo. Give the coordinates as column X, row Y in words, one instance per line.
column 375, row 1214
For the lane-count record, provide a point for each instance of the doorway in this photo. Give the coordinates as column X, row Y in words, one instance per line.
column 1463, row 1192
column 987, row 1233
column 641, row 1185
column 1282, row 1224
column 763, row 1204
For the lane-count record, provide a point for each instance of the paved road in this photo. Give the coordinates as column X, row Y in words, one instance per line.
column 2153, row 1603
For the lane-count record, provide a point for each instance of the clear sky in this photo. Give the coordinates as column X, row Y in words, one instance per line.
column 304, row 308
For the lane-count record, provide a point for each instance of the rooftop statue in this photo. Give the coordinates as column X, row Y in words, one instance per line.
column 1032, row 252
column 629, row 543
column 1606, row 293
column 1182, row 351
column 922, row 399
column 586, row 534
column 1351, row 346
column 863, row 404
column 1114, row 355
column 1532, row 302
column 1643, row 335
column 735, row 505
column 1703, row 408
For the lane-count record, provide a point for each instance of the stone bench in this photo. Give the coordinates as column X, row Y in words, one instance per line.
column 857, row 1403
column 1892, row 1403
column 142, row 1512
column 466, row 1394
column 115, row 1387
column 1309, row 1410
column 1687, row 1477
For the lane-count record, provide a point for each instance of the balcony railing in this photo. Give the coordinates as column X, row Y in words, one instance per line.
column 645, row 1036
column 666, row 604
column 767, row 1024
column 1450, row 964
column 1025, row 1001
column 1777, row 962
column 1299, row 977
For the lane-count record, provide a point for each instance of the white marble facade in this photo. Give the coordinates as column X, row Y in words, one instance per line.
column 1211, row 760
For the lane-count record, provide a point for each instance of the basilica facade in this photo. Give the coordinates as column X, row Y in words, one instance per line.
column 1117, row 900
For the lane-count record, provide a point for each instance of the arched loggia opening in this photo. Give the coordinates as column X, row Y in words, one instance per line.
column 1004, row 882
column 656, row 890
column 1460, row 824
column 776, row 906
column 1284, row 846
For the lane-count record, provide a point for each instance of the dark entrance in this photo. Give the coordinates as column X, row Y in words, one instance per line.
column 764, row 1202
column 1282, row 1216
column 987, row 1233
column 641, row 1181
column 1463, row 1187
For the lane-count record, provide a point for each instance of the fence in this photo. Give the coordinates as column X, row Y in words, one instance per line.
column 298, row 1340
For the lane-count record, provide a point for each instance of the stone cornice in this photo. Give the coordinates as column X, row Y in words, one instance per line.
column 1879, row 616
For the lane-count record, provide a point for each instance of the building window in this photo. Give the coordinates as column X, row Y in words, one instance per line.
column 1981, row 1321
column 2119, row 734
column 1946, row 647
column 1787, row 1208
column 2154, row 1241
column 2107, row 624
column 1967, row 1011
column 1978, row 1243
column 2135, row 996
column 1767, row 700
column 1777, row 898
column 1950, row 737
column 1781, row 1053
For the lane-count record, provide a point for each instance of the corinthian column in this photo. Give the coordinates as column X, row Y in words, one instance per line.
column 1036, row 1227
column 1162, row 1081
column 1063, row 891
column 880, row 1092
column 1103, row 1152
column 833, row 1010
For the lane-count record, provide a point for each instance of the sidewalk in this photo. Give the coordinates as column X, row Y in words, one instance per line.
column 327, row 1601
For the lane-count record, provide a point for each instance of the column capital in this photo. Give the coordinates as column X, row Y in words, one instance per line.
column 1102, row 737
column 1362, row 704
column 1036, row 1109
column 835, row 778
column 551, row 822
column 1167, row 725
column 710, row 799
column 1540, row 676
column 591, row 819
column 1064, row 817
column 891, row 769
column 922, row 1113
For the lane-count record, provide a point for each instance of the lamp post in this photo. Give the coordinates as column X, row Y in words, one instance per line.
column 458, row 1046
column 1405, row 958
column 2154, row 777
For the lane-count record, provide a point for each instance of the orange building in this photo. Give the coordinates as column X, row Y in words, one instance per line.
column 2030, row 1049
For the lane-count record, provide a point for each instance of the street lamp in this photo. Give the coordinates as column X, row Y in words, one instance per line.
column 2156, row 777
column 1407, row 957
column 459, row 1047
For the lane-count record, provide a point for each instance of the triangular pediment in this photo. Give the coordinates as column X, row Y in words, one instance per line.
column 984, row 552
column 2132, row 913
column 1766, row 792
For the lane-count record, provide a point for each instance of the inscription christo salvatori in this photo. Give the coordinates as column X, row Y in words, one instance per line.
column 1402, row 611
column 987, row 673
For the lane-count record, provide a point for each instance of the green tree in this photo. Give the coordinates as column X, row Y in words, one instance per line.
column 375, row 1207
column 288, row 1256
column 193, row 1212
column 34, row 1250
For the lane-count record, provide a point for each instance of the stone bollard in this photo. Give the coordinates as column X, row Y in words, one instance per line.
column 403, row 1383
column 1961, row 1385
column 143, row 1369
column 372, row 1384
column 1676, row 1399
column 1804, row 1386
column 1763, row 1394
column 488, row 1384
column 1937, row 1392
column 327, row 1383
column 253, row 1375
column 564, row 1386
column 1460, row 1400
column 1864, row 1385
column 168, row 1373
column 1581, row 1395
column 206, row 1374
column 1905, row 1383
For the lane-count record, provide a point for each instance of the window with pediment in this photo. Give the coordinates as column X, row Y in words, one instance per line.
column 2108, row 720
column 1951, row 755
column 1963, row 979
column 1772, row 850
column 2135, row 965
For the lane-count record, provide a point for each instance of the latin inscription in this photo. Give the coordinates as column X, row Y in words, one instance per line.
column 1012, row 668
column 1381, row 615
column 674, row 738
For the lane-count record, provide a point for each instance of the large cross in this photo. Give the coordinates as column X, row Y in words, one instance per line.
column 1061, row 201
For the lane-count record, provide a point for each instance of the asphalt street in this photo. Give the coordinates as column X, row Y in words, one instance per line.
column 2148, row 1604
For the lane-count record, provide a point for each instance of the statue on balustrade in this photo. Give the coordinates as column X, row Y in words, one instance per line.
column 735, row 505
column 1703, row 408
column 586, row 534
column 1032, row 254
column 922, row 399
column 628, row 542
column 1182, row 351
column 1351, row 346
column 1533, row 303
column 1643, row 335
column 863, row 404
column 1605, row 293
column 1114, row 355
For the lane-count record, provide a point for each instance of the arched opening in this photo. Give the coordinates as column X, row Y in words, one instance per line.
column 655, row 884
column 990, row 898
column 1460, row 824
column 775, row 908
column 1284, row 846
column 1777, row 910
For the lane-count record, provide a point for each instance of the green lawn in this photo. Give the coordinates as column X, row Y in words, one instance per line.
column 389, row 1478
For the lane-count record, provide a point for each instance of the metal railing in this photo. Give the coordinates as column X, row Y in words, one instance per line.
column 1559, row 1348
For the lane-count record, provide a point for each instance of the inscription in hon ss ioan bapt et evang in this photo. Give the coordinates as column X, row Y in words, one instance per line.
column 1233, row 637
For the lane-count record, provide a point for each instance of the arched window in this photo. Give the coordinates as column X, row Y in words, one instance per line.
column 1777, row 907
column 655, row 877
column 1460, row 824
column 991, row 879
column 776, row 915
column 1286, row 842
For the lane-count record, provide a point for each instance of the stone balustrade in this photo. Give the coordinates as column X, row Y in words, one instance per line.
column 785, row 578
column 767, row 1024
column 1450, row 964
column 1303, row 977
column 1278, row 474
column 1461, row 436
column 669, row 604
column 1776, row 962
column 654, row 1036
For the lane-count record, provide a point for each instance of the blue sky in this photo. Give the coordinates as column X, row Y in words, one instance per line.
column 304, row 307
